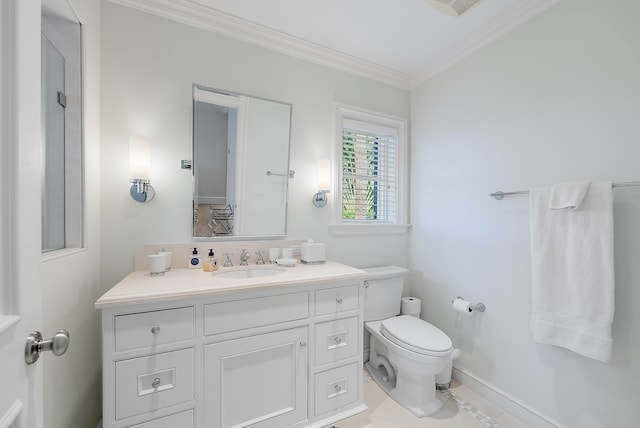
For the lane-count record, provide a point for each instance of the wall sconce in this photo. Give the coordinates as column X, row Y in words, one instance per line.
column 140, row 169
column 324, row 183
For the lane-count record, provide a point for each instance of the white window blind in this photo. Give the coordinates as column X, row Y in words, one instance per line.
column 369, row 173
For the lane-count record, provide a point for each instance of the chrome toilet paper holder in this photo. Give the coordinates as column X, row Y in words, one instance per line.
column 480, row 307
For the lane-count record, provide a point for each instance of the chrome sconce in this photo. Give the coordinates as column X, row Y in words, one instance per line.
column 140, row 169
column 324, row 183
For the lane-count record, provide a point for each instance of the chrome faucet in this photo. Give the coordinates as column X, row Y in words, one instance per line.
column 244, row 258
column 260, row 260
column 227, row 262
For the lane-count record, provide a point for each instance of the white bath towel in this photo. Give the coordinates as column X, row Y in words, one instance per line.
column 568, row 196
column 573, row 272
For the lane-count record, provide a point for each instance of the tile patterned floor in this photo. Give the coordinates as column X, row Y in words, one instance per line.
column 462, row 409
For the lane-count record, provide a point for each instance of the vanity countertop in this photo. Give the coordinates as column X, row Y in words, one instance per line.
column 139, row 287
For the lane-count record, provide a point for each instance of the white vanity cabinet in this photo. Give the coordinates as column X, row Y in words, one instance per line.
column 273, row 357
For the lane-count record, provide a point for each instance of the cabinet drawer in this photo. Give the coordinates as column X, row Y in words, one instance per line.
column 147, row 329
column 336, row 388
column 336, row 340
column 261, row 311
column 149, row 383
column 182, row 420
column 332, row 300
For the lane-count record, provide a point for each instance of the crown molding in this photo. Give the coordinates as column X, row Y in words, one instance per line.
column 199, row 16
column 196, row 15
column 494, row 29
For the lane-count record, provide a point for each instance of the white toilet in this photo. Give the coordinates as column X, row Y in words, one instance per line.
column 405, row 352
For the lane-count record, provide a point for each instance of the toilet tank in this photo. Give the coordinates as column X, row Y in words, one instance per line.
column 383, row 292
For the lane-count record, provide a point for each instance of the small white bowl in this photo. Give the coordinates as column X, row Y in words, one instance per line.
column 287, row 262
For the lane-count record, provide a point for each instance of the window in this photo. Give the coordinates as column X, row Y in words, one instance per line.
column 370, row 173
column 62, row 155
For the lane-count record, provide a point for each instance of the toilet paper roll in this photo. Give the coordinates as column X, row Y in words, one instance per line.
column 463, row 306
column 411, row 306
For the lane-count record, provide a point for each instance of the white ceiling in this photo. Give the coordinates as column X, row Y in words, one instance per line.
column 400, row 42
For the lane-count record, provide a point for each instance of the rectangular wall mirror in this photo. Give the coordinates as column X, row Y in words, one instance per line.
column 240, row 165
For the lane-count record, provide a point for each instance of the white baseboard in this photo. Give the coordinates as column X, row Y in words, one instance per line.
column 502, row 400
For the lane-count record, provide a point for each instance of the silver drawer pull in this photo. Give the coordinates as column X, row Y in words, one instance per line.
column 338, row 339
column 155, row 329
column 156, row 382
column 339, row 300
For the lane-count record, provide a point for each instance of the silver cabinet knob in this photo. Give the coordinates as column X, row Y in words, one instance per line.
column 155, row 329
column 156, row 382
column 58, row 345
column 339, row 300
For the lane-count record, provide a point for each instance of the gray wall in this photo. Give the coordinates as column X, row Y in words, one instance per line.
column 554, row 100
column 149, row 65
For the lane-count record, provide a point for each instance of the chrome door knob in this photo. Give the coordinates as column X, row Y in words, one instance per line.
column 58, row 344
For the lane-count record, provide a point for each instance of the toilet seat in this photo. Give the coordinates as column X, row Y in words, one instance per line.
column 416, row 335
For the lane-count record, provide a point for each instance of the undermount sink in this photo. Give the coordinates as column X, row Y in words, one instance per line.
column 249, row 272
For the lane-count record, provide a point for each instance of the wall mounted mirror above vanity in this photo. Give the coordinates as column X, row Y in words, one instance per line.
column 240, row 164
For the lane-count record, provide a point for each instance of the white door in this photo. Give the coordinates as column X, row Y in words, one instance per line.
column 20, row 240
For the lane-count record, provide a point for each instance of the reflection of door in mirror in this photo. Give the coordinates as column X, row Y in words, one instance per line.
column 236, row 140
column 214, row 134
column 218, row 125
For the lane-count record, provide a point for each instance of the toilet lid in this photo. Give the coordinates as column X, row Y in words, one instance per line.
column 416, row 335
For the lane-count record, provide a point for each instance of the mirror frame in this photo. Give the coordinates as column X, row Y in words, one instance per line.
column 240, row 152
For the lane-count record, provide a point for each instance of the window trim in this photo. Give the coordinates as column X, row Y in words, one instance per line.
column 75, row 176
column 339, row 227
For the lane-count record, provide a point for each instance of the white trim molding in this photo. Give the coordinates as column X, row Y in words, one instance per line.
column 216, row 21
column 8, row 321
column 11, row 415
column 503, row 400
column 491, row 31
column 209, row 19
column 368, row 229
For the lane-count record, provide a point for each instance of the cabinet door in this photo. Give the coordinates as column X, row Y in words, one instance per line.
column 259, row 381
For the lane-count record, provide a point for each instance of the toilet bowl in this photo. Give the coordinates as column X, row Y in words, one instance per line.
column 405, row 352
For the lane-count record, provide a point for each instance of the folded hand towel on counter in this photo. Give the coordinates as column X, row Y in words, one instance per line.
column 568, row 196
column 573, row 272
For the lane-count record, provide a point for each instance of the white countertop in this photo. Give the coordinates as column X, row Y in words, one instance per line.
column 139, row 287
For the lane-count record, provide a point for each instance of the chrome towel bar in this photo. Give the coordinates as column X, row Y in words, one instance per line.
column 499, row 195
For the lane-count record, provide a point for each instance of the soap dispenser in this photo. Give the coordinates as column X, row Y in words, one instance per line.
column 194, row 260
column 210, row 265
